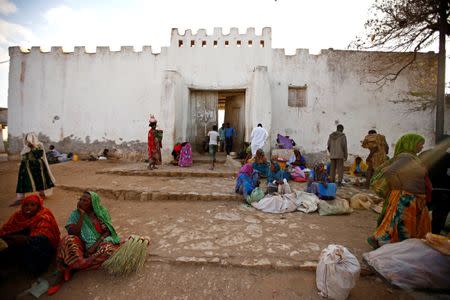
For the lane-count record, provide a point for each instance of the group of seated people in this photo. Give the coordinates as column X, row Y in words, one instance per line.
column 30, row 240
column 182, row 154
column 54, row 156
column 296, row 169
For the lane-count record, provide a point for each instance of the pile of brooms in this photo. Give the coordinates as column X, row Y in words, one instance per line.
column 130, row 257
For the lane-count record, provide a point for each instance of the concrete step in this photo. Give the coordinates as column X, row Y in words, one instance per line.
column 197, row 170
column 145, row 195
column 204, row 158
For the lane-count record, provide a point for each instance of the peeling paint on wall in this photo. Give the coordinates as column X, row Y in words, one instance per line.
column 133, row 150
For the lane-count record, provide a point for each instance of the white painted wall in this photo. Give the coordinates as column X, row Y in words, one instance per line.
column 108, row 96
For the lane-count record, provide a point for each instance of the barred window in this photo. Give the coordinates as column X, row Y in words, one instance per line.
column 297, row 96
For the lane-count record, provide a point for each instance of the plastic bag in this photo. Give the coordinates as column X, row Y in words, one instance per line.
column 277, row 203
column 309, row 202
column 334, row 207
column 411, row 264
column 360, row 201
column 256, row 195
column 438, row 242
column 337, row 272
column 284, row 188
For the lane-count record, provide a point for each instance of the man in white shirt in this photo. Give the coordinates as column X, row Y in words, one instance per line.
column 259, row 136
column 213, row 137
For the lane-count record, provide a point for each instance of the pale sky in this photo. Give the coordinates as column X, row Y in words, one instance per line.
column 315, row 25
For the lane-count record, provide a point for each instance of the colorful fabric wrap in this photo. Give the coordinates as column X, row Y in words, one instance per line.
column 406, row 144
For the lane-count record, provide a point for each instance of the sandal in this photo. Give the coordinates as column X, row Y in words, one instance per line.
column 54, row 289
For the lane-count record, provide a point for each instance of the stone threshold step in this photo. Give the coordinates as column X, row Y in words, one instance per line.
column 207, row 161
column 169, row 173
column 136, row 195
column 254, row 263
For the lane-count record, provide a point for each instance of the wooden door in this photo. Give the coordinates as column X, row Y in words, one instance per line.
column 235, row 115
column 203, row 115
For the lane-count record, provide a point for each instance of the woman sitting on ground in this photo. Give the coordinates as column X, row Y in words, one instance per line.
column 297, row 160
column 358, row 168
column 275, row 177
column 34, row 172
column 319, row 184
column 92, row 239
column 261, row 164
column 246, row 181
column 404, row 182
column 29, row 238
column 176, row 153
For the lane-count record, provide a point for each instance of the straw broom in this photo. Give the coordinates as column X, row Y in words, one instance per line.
column 129, row 258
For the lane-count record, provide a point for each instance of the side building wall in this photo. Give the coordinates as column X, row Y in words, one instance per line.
column 340, row 89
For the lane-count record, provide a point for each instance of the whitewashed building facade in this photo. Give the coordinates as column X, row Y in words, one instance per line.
column 84, row 102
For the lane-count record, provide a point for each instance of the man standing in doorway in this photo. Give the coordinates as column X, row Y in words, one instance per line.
column 229, row 134
column 222, row 138
column 258, row 138
column 337, row 146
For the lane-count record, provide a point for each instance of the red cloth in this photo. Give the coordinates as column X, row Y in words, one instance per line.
column 177, row 148
column 42, row 223
column 154, row 146
column 151, row 143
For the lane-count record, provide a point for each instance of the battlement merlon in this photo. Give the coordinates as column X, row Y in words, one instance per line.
column 219, row 39
column 81, row 50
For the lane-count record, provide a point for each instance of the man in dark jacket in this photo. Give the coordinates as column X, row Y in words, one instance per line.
column 337, row 146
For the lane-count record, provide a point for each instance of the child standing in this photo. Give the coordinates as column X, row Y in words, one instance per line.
column 213, row 136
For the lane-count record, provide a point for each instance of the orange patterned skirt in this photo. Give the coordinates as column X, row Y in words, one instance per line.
column 73, row 256
column 404, row 216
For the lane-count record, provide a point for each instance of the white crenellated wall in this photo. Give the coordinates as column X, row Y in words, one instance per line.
column 86, row 101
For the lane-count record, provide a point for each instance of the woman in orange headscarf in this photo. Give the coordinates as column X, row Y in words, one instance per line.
column 30, row 237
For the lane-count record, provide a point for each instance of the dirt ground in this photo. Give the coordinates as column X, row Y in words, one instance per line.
column 200, row 249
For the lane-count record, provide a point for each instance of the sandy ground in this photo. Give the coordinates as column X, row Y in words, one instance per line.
column 201, row 249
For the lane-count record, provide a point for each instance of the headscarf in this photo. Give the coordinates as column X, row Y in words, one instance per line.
column 260, row 157
column 88, row 232
column 246, row 169
column 362, row 166
column 152, row 119
column 320, row 173
column 408, row 143
column 43, row 223
column 31, row 138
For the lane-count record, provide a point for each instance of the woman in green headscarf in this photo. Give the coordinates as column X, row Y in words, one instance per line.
column 92, row 239
column 404, row 182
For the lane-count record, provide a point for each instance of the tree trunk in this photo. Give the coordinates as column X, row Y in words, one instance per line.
column 441, row 72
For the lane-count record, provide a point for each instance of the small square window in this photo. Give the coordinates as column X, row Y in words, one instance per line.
column 261, row 44
column 238, row 44
column 227, row 43
column 215, row 44
column 192, row 43
column 297, row 96
column 203, row 44
column 250, row 43
column 180, row 43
